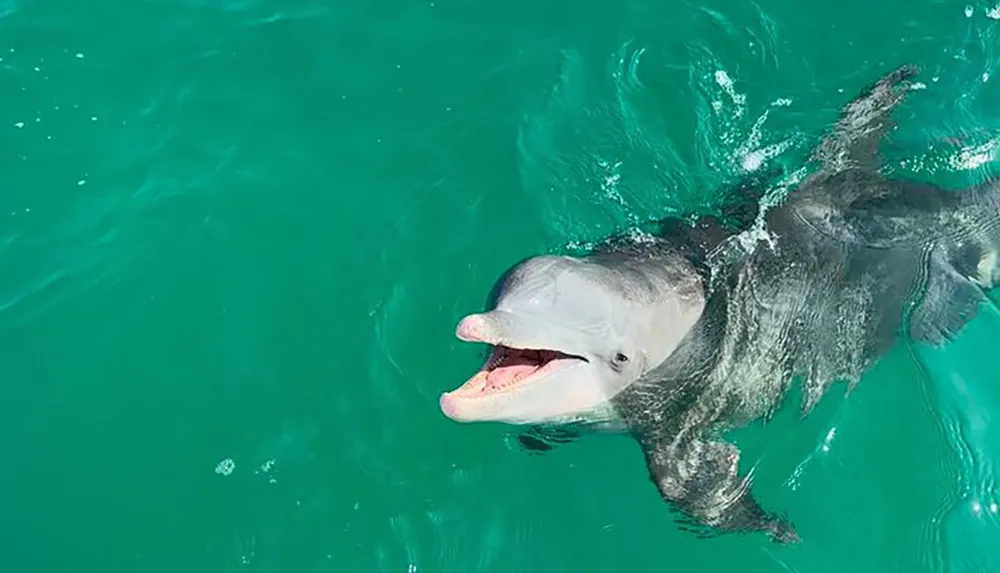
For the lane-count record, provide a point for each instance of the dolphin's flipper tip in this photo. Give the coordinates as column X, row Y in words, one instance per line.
column 781, row 531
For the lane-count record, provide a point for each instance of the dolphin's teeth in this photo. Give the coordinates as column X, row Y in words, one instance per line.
column 497, row 357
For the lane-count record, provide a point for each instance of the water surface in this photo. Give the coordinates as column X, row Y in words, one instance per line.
column 237, row 236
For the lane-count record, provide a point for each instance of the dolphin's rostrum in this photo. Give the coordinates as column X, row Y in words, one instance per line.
column 701, row 327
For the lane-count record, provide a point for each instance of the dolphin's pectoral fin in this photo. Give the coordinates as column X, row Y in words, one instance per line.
column 538, row 439
column 532, row 444
column 863, row 123
column 950, row 299
column 701, row 479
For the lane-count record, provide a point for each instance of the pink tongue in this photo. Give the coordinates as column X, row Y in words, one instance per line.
column 514, row 367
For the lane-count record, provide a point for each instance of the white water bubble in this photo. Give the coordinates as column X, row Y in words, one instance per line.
column 225, row 467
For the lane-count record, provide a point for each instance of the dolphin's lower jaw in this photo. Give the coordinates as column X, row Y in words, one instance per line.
column 451, row 407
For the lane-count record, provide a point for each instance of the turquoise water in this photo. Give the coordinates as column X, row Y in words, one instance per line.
column 237, row 236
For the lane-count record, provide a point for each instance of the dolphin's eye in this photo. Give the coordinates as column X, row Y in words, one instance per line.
column 620, row 358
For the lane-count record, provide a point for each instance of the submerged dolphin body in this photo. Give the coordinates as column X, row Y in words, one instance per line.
column 701, row 327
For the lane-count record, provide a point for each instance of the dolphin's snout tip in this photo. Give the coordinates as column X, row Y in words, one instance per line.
column 471, row 329
column 448, row 406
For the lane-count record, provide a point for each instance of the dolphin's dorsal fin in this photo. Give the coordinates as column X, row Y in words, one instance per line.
column 864, row 122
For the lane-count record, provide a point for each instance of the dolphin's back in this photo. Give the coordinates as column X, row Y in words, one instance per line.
column 850, row 264
column 847, row 266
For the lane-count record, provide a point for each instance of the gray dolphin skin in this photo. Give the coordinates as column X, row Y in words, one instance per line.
column 679, row 335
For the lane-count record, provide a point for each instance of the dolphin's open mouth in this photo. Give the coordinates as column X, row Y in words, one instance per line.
column 508, row 367
column 525, row 378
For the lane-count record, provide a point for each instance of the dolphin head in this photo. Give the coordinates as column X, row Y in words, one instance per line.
column 568, row 334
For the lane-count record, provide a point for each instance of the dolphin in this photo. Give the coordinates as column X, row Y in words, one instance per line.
column 682, row 333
